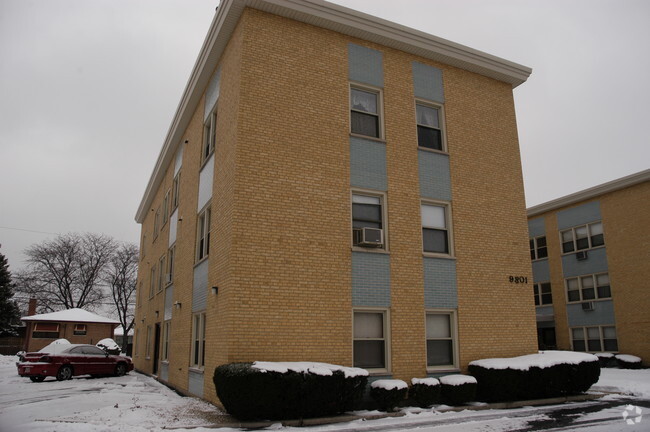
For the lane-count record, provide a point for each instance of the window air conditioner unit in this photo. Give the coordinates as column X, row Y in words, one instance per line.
column 368, row 237
column 582, row 255
column 588, row 306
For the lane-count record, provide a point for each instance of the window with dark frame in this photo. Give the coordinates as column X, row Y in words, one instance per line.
column 369, row 346
column 429, row 127
column 543, row 295
column 538, row 248
column 365, row 112
column 435, row 231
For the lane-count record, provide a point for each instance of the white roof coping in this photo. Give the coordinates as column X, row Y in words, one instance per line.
column 329, row 16
column 583, row 195
column 71, row 315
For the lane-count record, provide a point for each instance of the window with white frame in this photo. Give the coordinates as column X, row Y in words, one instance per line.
column 582, row 237
column 370, row 346
column 44, row 330
column 543, row 295
column 594, row 339
column 176, row 187
column 368, row 220
column 152, row 281
column 365, row 112
column 148, row 345
column 429, row 125
column 80, row 329
column 161, row 273
column 538, row 248
column 441, row 339
column 171, row 256
column 165, row 208
column 198, row 340
column 209, row 136
column 435, row 228
column 589, row 287
column 164, row 354
column 203, row 234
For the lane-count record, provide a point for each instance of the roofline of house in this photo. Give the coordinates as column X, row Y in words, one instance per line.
column 592, row 192
column 329, row 16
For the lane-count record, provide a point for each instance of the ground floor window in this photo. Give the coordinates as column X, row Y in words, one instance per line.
column 441, row 339
column 370, row 344
column 198, row 340
column 80, row 329
column 167, row 325
column 46, row 331
column 594, row 339
column 148, row 345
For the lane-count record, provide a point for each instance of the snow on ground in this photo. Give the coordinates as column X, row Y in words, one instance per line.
column 137, row 403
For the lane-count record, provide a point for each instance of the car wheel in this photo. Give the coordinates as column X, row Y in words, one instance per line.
column 37, row 378
column 65, row 373
column 120, row 369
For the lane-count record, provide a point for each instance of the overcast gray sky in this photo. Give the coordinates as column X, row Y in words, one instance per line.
column 88, row 89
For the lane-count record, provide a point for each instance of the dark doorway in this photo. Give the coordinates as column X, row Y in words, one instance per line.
column 546, row 338
column 156, row 349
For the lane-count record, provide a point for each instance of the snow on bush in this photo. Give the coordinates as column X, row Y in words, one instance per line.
column 388, row 393
column 425, row 392
column 457, row 380
column 626, row 361
column 535, row 376
column 324, row 369
column 109, row 345
column 457, row 389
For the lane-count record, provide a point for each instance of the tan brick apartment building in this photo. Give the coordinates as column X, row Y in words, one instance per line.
column 338, row 188
column 591, row 266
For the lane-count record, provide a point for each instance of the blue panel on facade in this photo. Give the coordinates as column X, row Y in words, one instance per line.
column 541, row 271
column 603, row 314
column 163, row 373
column 583, row 214
column 212, row 94
column 440, row 283
column 169, row 297
column 427, row 82
column 368, row 164
column 435, row 179
column 370, row 279
column 196, row 383
column 200, row 287
column 365, row 65
column 536, row 227
column 596, row 262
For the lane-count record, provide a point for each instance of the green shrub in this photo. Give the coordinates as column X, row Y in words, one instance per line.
column 626, row 361
column 250, row 393
column 607, row 360
column 424, row 392
column 457, row 389
column 388, row 393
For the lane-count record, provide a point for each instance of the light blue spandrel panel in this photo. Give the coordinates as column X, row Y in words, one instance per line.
column 541, row 271
column 195, row 383
column 368, row 164
column 580, row 215
column 596, row 262
column 536, row 227
column 434, row 174
column 427, row 83
column 200, row 287
column 440, row 289
column 370, row 279
column 365, row 65
column 603, row 314
column 212, row 93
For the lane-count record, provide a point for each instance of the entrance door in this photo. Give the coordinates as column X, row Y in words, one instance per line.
column 156, row 349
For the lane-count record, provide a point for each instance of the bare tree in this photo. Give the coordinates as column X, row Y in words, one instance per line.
column 121, row 277
column 66, row 272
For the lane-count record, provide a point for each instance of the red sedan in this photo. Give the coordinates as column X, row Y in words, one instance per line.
column 72, row 360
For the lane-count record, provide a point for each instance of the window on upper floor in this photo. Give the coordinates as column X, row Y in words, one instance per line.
column 429, row 124
column 365, row 112
column 589, row 287
column 368, row 227
column 594, row 339
column 171, row 256
column 203, row 234
column 582, row 237
column 370, row 346
column 538, row 248
column 165, row 208
column 441, row 340
column 176, row 186
column 209, row 137
column 161, row 273
column 435, row 228
column 543, row 295
column 156, row 223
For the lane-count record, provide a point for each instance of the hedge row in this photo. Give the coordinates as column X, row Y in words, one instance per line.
column 450, row 389
column 538, row 376
column 250, row 393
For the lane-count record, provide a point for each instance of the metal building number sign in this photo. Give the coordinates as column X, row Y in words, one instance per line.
column 518, row 279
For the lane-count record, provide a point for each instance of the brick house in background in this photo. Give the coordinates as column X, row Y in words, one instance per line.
column 590, row 255
column 334, row 187
column 76, row 325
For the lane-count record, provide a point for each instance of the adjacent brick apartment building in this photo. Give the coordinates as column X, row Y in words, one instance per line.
column 334, row 187
column 590, row 255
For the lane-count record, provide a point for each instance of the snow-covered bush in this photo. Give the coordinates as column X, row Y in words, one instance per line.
column 388, row 393
column 274, row 391
column 626, row 361
column 607, row 360
column 535, row 376
column 109, row 345
column 425, row 392
column 457, row 389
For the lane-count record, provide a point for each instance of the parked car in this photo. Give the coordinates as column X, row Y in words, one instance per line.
column 65, row 361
